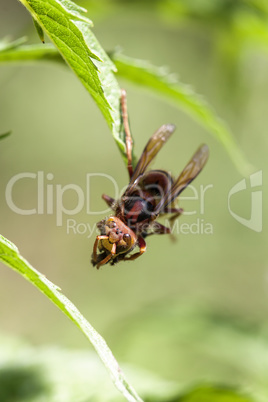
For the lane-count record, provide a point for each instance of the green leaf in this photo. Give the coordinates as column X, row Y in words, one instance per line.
column 212, row 393
column 11, row 52
column 150, row 77
column 39, row 31
column 157, row 79
column 4, row 135
column 10, row 256
column 44, row 370
column 6, row 44
column 66, row 25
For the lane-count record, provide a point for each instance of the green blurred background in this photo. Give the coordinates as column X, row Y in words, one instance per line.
column 184, row 309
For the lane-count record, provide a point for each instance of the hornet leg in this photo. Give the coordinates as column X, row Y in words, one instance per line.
column 129, row 141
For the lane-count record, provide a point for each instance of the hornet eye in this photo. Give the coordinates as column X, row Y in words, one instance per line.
column 126, row 237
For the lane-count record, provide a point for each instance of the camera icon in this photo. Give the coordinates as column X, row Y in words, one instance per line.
column 255, row 220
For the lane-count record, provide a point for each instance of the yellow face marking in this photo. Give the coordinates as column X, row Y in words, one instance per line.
column 106, row 244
